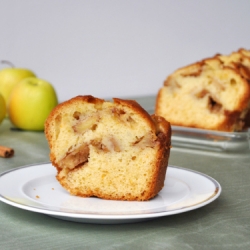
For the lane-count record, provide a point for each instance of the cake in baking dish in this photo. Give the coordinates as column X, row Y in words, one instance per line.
column 213, row 94
column 111, row 150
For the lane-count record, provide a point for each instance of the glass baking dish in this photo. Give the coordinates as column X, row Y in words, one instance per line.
column 202, row 139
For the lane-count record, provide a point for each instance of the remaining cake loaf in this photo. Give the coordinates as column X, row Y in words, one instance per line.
column 211, row 94
column 112, row 150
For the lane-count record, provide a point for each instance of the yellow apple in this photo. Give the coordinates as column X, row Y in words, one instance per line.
column 9, row 77
column 30, row 103
column 2, row 108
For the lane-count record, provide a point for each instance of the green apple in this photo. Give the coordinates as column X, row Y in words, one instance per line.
column 30, row 103
column 9, row 77
column 2, row 108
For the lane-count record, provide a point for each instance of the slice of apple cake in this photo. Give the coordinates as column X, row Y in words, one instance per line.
column 211, row 94
column 111, row 150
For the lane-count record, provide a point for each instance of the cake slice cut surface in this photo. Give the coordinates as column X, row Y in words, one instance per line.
column 111, row 150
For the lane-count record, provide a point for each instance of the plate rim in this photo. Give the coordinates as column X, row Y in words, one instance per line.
column 112, row 217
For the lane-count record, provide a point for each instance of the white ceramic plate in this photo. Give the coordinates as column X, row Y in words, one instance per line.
column 36, row 189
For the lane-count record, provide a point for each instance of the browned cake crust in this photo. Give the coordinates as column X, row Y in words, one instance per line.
column 211, row 94
column 111, row 150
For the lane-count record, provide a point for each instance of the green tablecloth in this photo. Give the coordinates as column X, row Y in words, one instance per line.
column 223, row 224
